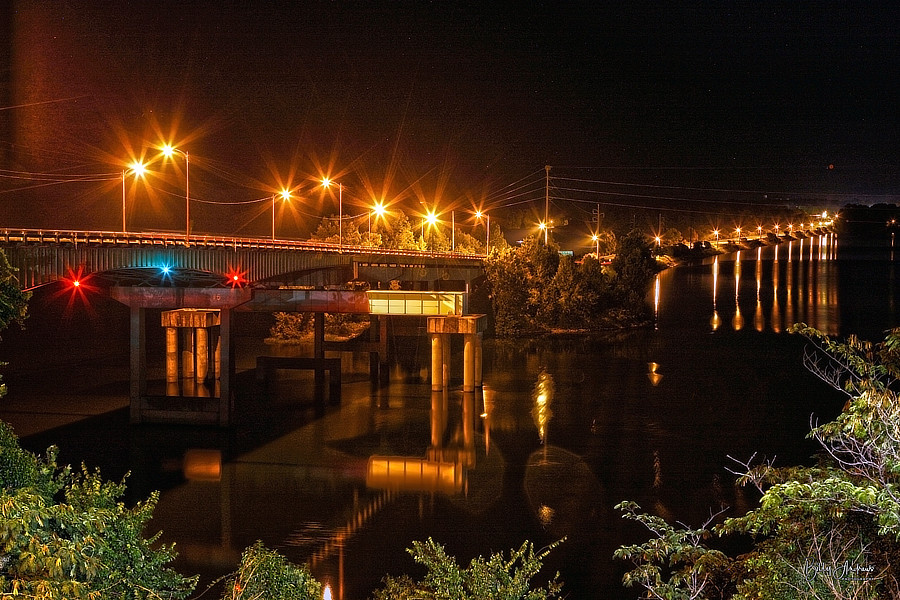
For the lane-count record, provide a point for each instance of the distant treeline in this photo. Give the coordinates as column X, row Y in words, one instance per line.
column 875, row 220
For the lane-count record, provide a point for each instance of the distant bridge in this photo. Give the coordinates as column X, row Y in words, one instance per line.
column 45, row 256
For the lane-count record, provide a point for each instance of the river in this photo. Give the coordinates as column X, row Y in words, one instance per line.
column 564, row 429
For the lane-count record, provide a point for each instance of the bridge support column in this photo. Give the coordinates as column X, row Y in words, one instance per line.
column 437, row 361
column 171, row 355
column 226, row 372
column 196, row 326
column 319, row 349
column 201, row 338
column 470, row 340
column 440, row 329
column 138, row 359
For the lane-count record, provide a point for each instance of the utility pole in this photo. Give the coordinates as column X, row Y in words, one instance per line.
column 547, row 205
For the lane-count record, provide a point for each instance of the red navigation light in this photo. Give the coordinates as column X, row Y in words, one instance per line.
column 236, row 277
column 76, row 288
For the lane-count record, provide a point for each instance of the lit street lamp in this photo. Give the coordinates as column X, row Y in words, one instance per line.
column 379, row 210
column 285, row 196
column 716, row 233
column 431, row 218
column 596, row 239
column 326, row 182
column 138, row 169
column 487, row 230
column 168, row 151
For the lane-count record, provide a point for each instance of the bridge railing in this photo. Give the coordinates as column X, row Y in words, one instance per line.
column 10, row 236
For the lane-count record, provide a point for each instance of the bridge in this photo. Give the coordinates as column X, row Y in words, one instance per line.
column 45, row 256
column 196, row 283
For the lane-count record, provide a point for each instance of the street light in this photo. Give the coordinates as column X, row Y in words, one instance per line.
column 138, row 168
column 596, row 239
column 379, row 210
column 285, row 196
column 716, row 233
column 487, row 230
column 431, row 218
column 168, row 150
column 326, row 182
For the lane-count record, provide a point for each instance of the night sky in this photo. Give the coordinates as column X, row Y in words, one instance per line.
column 453, row 103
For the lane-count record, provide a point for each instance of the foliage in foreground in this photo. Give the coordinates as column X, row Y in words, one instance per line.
column 827, row 531
column 66, row 535
column 264, row 573
column 495, row 578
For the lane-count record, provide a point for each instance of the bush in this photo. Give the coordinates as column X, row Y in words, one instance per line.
column 496, row 578
column 831, row 530
column 264, row 573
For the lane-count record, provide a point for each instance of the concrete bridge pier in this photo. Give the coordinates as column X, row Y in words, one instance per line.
column 194, row 309
column 472, row 329
column 200, row 337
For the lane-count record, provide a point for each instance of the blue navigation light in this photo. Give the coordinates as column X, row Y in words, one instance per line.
column 165, row 269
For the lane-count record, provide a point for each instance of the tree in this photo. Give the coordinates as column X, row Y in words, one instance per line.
column 397, row 232
column 509, row 295
column 263, row 573
column 495, row 578
column 634, row 267
column 68, row 536
column 13, row 301
column 831, row 530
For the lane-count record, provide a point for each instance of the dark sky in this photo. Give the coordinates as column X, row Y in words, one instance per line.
column 453, row 101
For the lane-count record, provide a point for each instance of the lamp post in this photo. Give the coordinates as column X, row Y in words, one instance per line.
column 168, row 151
column 431, row 218
column 379, row 210
column 326, row 182
column 285, row 196
column 487, row 230
column 596, row 239
column 138, row 169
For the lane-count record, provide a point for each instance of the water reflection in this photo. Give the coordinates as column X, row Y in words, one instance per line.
column 715, row 321
column 737, row 321
column 795, row 281
column 542, row 396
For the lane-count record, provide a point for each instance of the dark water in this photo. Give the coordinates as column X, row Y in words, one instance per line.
column 564, row 429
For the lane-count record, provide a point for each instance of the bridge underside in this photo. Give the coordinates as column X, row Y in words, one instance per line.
column 202, row 318
column 40, row 263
